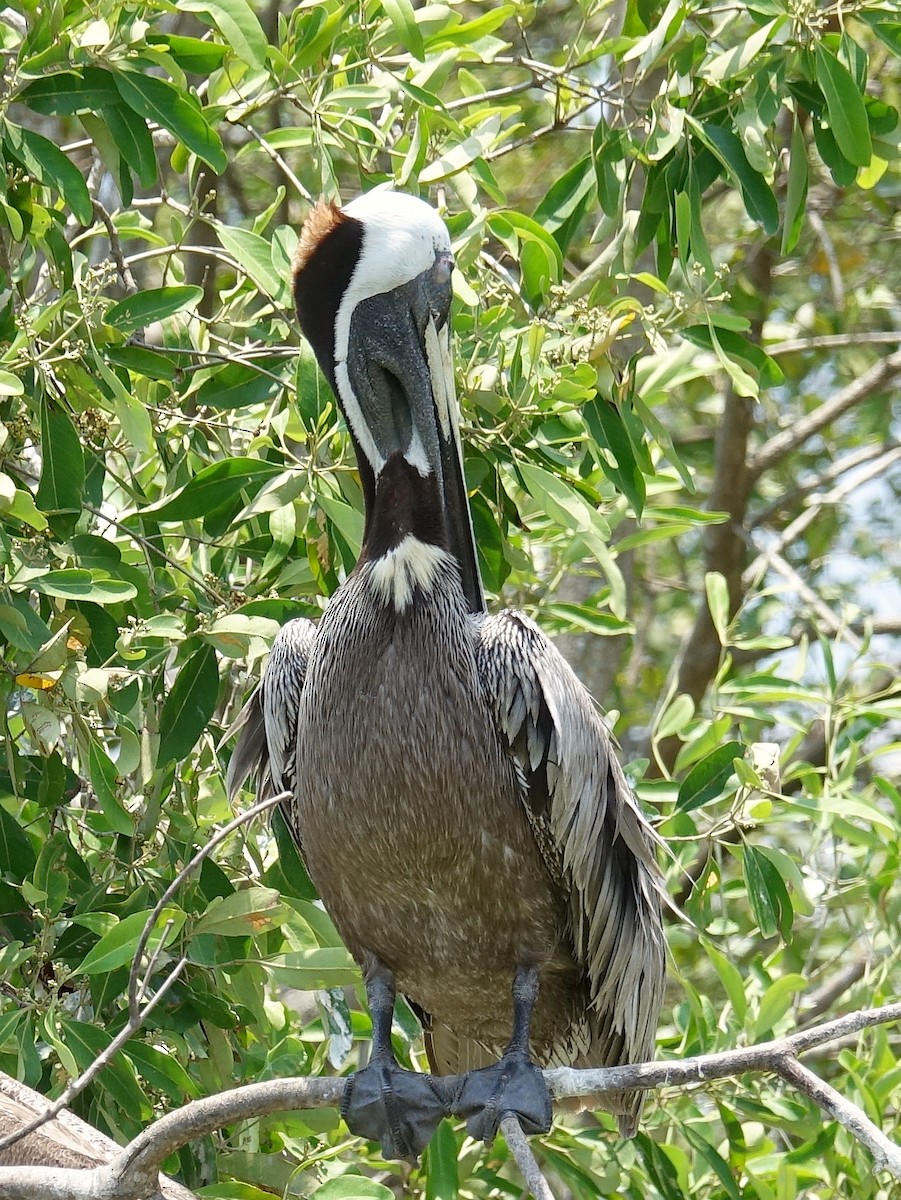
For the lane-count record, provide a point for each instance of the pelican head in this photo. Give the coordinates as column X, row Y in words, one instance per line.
column 372, row 283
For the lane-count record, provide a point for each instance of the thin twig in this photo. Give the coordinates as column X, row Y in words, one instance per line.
column 856, row 458
column 278, row 160
column 115, row 245
column 818, row 225
column 519, row 1147
column 836, row 495
column 137, row 988
column 886, row 1155
column 134, row 989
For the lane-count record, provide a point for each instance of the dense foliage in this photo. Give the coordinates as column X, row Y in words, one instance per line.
column 675, row 227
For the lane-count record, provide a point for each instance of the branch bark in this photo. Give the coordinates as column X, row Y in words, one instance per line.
column 133, row 1173
column 778, row 447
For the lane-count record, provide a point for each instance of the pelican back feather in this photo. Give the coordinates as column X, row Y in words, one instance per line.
column 593, row 836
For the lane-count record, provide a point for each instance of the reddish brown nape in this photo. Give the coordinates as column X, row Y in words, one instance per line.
column 325, row 217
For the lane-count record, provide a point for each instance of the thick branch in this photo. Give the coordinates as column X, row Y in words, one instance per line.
column 132, row 1174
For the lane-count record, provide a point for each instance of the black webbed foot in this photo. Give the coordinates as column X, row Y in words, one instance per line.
column 513, row 1085
column 398, row 1109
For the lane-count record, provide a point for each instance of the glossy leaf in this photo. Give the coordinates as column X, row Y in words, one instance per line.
column 117, row 947
column 238, row 25
column 759, row 199
column 189, row 705
column 403, row 19
column 54, row 169
column 796, row 191
column 707, row 778
column 847, row 114
column 156, row 100
column 154, row 304
column 212, row 487
column 62, row 471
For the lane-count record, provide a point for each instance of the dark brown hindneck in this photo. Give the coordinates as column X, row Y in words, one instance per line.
column 405, row 504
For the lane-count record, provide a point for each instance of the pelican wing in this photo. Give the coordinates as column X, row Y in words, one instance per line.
column 592, row 834
column 267, row 724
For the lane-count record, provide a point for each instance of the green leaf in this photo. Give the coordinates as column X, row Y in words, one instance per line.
column 717, row 591
column 48, row 164
column 250, row 911
column 776, row 1002
column 731, row 979
column 731, row 63
column 609, row 431
column 327, row 966
column 191, row 53
column 763, row 904
column 756, row 192
column 715, row 1160
column 189, row 706
column 104, row 780
column 403, row 19
column 442, row 1176
column 238, row 384
column 675, row 717
column 707, row 778
column 86, row 1042
column 237, row 23
column 765, row 369
column 212, row 488
column 162, row 1071
column 117, row 948
column 133, row 141
column 153, row 304
column 459, row 156
column 847, row 113
column 254, row 256
column 156, row 100
column 66, row 92
column 62, row 470
column 141, row 361
column 352, row 1187
column 796, row 190
column 16, row 854
column 74, row 584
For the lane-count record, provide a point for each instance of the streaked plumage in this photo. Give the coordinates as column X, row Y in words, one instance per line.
column 455, row 793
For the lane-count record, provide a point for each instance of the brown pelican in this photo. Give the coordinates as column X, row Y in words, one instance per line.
column 454, row 792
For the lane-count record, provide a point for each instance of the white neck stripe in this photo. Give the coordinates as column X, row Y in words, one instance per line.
column 407, row 566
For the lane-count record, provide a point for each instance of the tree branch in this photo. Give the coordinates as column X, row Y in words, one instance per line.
column 778, row 447
column 834, row 341
column 886, row 1155
column 133, row 1173
column 136, row 987
column 519, row 1147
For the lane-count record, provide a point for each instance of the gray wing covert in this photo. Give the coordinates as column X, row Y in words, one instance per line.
column 267, row 724
column 592, row 834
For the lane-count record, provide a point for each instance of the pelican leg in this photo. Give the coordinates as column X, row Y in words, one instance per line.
column 514, row 1084
column 383, row 1102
